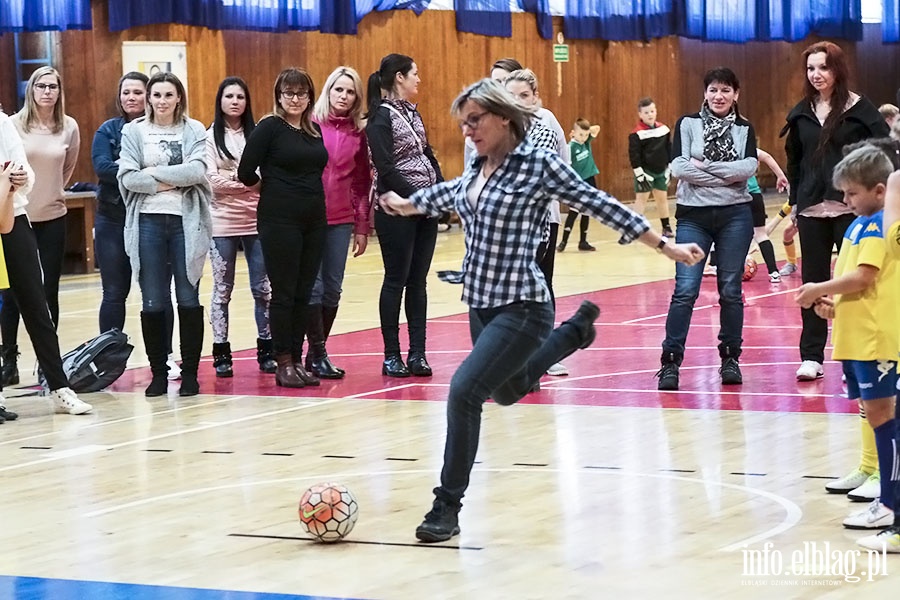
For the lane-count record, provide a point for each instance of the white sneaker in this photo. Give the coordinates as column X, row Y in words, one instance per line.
column 66, row 401
column 557, row 370
column 787, row 269
column 709, row 271
column 875, row 516
column 883, row 541
column 848, row 482
column 174, row 369
column 774, row 277
column 869, row 490
column 810, row 370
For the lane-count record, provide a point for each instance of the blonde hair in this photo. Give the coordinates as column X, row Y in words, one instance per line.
column 867, row 165
column 526, row 76
column 323, row 105
column 889, row 111
column 492, row 96
column 29, row 113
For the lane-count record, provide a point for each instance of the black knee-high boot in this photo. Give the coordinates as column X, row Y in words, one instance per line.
column 190, row 326
column 317, row 357
column 153, row 326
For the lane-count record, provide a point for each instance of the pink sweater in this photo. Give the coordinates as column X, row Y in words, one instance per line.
column 52, row 156
column 347, row 178
column 233, row 208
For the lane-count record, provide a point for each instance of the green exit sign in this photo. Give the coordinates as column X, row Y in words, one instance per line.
column 560, row 53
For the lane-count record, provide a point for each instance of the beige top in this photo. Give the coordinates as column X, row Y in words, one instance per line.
column 52, row 156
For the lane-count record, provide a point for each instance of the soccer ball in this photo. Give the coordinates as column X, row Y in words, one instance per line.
column 328, row 511
column 750, row 268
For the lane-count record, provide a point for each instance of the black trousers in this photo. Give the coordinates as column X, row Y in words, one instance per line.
column 546, row 258
column 292, row 253
column 23, row 264
column 407, row 247
column 51, row 245
column 817, row 238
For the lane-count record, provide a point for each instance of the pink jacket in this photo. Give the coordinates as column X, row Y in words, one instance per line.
column 347, row 178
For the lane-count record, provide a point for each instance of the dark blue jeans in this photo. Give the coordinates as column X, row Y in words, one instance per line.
column 730, row 228
column 161, row 239
column 512, row 347
column 327, row 289
column 115, row 270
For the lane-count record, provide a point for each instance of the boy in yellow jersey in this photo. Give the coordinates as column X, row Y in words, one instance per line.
column 889, row 539
column 6, row 224
column 865, row 294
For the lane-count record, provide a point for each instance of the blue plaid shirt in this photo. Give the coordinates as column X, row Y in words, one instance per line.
column 504, row 229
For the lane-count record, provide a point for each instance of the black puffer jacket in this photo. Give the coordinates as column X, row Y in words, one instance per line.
column 810, row 175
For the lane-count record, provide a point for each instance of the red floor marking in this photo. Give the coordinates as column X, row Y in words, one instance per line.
column 618, row 372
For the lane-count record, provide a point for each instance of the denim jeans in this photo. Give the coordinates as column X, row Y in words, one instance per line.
column 115, row 270
column 327, row 289
column 161, row 239
column 730, row 228
column 223, row 259
column 512, row 347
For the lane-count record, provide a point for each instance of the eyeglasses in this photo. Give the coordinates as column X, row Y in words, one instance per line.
column 44, row 87
column 473, row 122
column 291, row 95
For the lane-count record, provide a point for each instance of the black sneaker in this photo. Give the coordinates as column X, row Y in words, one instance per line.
column 668, row 377
column 7, row 415
column 440, row 524
column 731, row 372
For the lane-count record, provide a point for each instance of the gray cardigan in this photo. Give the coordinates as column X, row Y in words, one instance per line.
column 718, row 183
column 136, row 183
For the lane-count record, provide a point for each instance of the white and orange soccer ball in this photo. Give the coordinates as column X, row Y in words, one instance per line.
column 328, row 511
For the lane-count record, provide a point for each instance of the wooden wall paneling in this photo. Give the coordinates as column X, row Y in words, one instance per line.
column 602, row 81
column 7, row 74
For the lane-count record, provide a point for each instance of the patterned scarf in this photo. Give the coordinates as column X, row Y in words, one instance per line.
column 718, row 144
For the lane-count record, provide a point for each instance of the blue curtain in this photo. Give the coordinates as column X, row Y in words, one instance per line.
column 541, row 10
column 44, row 15
column 790, row 20
column 251, row 15
column 890, row 21
column 620, row 19
column 486, row 17
column 714, row 20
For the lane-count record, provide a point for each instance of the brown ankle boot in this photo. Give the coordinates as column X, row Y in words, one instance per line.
column 285, row 374
column 305, row 376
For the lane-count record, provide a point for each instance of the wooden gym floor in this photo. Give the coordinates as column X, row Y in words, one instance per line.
column 597, row 485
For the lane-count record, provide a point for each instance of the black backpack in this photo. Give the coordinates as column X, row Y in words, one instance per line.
column 97, row 363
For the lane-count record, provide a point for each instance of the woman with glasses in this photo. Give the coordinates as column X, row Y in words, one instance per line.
column 23, row 267
column 168, row 230
column 404, row 163
column 234, row 225
column 51, row 142
column 502, row 198
column 287, row 149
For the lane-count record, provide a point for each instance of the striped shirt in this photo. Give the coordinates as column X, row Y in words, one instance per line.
column 503, row 231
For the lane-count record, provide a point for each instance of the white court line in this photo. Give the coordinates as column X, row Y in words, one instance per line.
column 123, row 419
column 98, row 447
column 382, row 390
column 705, row 306
column 791, row 518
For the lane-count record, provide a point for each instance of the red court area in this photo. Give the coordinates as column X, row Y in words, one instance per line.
column 618, row 370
